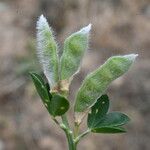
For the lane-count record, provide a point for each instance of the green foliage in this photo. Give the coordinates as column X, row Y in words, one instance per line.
column 96, row 83
column 74, row 48
column 55, row 104
column 99, row 121
column 89, row 99
column 98, row 110
column 41, row 88
column 59, row 105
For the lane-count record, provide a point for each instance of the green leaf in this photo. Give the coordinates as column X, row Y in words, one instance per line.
column 101, row 122
column 98, row 111
column 59, row 105
column 109, row 130
column 113, row 119
column 55, row 104
column 47, row 51
column 74, row 48
column 109, row 123
column 48, row 89
column 40, row 87
column 96, row 83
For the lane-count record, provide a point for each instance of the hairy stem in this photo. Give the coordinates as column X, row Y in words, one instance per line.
column 69, row 133
column 71, row 144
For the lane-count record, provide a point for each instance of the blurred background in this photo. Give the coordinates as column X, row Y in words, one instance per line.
column 119, row 27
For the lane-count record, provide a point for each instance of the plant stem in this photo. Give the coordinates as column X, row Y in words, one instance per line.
column 71, row 144
column 65, row 121
column 76, row 129
column 72, row 139
column 77, row 139
column 69, row 134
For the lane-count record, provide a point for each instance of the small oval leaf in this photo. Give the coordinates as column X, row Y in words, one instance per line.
column 96, row 83
column 113, row 119
column 98, row 111
column 59, row 105
column 74, row 48
column 40, row 87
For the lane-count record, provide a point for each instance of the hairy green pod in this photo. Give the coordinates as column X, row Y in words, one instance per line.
column 96, row 83
column 73, row 51
column 47, row 51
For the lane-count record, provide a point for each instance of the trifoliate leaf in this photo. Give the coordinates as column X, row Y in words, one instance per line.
column 59, row 105
column 96, row 83
column 99, row 121
column 47, row 51
column 74, row 48
column 56, row 105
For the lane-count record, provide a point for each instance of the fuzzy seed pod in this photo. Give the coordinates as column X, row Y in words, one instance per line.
column 47, row 51
column 73, row 51
column 96, row 83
